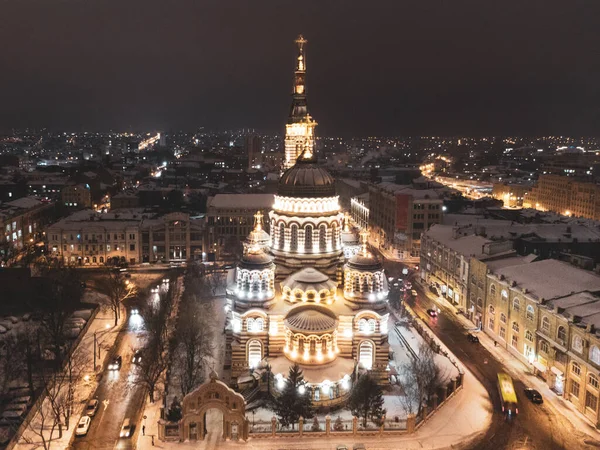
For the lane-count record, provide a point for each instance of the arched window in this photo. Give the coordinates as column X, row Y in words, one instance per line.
column 281, row 236
column 544, row 346
column 515, row 327
column 250, row 324
column 561, row 334
column 576, row 368
column 479, row 303
column 334, row 235
column 516, row 304
column 492, row 309
column 362, row 325
column 545, row 324
column 308, row 235
column 593, row 381
column 595, row 354
column 322, row 238
column 502, row 317
column 372, row 325
column 294, row 238
column 529, row 335
column 366, row 354
column 493, row 290
column 259, row 324
column 254, row 353
column 101, row 259
column 577, row 344
column 530, row 312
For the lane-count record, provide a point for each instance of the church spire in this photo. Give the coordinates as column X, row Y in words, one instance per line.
column 300, row 127
column 299, row 108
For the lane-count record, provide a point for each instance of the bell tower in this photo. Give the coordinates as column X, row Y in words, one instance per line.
column 300, row 127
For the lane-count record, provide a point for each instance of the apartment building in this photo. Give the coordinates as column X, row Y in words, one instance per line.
column 547, row 314
column 398, row 214
column 565, row 195
column 78, row 196
column 23, row 219
column 359, row 210
column 232, row 216
column 131, row 236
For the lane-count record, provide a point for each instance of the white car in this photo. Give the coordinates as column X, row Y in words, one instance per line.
column 126, row 428
column 83, row 426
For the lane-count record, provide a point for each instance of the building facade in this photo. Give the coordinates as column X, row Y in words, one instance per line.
column 133, row 237
column 398, row 214
column 359, row 210
column 22, row 220
column 565, row 195
column 78, row 196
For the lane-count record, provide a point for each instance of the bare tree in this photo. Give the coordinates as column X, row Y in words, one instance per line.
column 57, row 295
column 154, row 359
column 420, row 378
column 118, row 289
column 194, row 342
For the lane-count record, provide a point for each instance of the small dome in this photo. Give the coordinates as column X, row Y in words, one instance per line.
column 309, row 279
column 367, row 262
column 257, row 258
column 350, row 238
column 306, row 179
column 310, row 320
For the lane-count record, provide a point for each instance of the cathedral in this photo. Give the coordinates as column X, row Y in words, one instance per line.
column 308, row 292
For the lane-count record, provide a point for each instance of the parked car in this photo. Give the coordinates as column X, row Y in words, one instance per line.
column 116, row 363
column 83, row 426
column 432, row 312
column 359, row 447
column 471, row 337
column 413, row 293
column 92, row 407
column 341, row 447
column 137, row 356
column 533, row 395
column 126, row 428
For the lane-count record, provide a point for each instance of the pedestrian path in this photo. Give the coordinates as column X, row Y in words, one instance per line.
column 101, row 333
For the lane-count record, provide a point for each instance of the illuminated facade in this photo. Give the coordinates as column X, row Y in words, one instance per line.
column 295, row 297
column 300, row 127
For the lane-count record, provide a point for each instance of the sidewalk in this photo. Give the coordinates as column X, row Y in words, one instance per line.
column 106, row 334
column 523, row 372
column 441, row 431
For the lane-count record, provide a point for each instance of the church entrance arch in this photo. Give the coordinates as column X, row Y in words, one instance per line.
column 214, row 408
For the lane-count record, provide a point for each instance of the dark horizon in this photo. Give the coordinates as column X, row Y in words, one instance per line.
column 390, row 69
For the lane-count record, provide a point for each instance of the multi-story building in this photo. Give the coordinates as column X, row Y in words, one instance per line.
column 300, row 127
column 78, row 196
column 445, row 262
column 359, row 210
column 131, row 236
column 547, row 313
column 398, row 214
column 23, row 219
column 565, row 195
column 232, row 216
column 511, row 194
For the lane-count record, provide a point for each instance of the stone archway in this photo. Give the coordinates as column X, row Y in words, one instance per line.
column 213, row 394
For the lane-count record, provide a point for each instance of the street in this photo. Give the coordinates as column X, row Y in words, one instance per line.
column 537, row 426
column 118, row 395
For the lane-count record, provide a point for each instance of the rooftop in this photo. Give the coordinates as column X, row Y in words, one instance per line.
column 242, row 201
column 551, row 279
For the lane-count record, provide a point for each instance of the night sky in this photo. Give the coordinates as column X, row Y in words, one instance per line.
column 387, row 67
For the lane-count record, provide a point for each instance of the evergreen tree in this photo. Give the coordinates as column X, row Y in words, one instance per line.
column 315, row 424
column 174, row 414
column 291, row 404
column 366, row 400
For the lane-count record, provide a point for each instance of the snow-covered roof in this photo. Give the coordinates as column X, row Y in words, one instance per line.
column 550, row 279
column 242, row 201
column 465, row 245
column 433, row 194
column 309, row 279
column 333, row 371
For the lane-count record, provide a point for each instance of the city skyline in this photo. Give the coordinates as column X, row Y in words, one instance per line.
column 387, row 70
